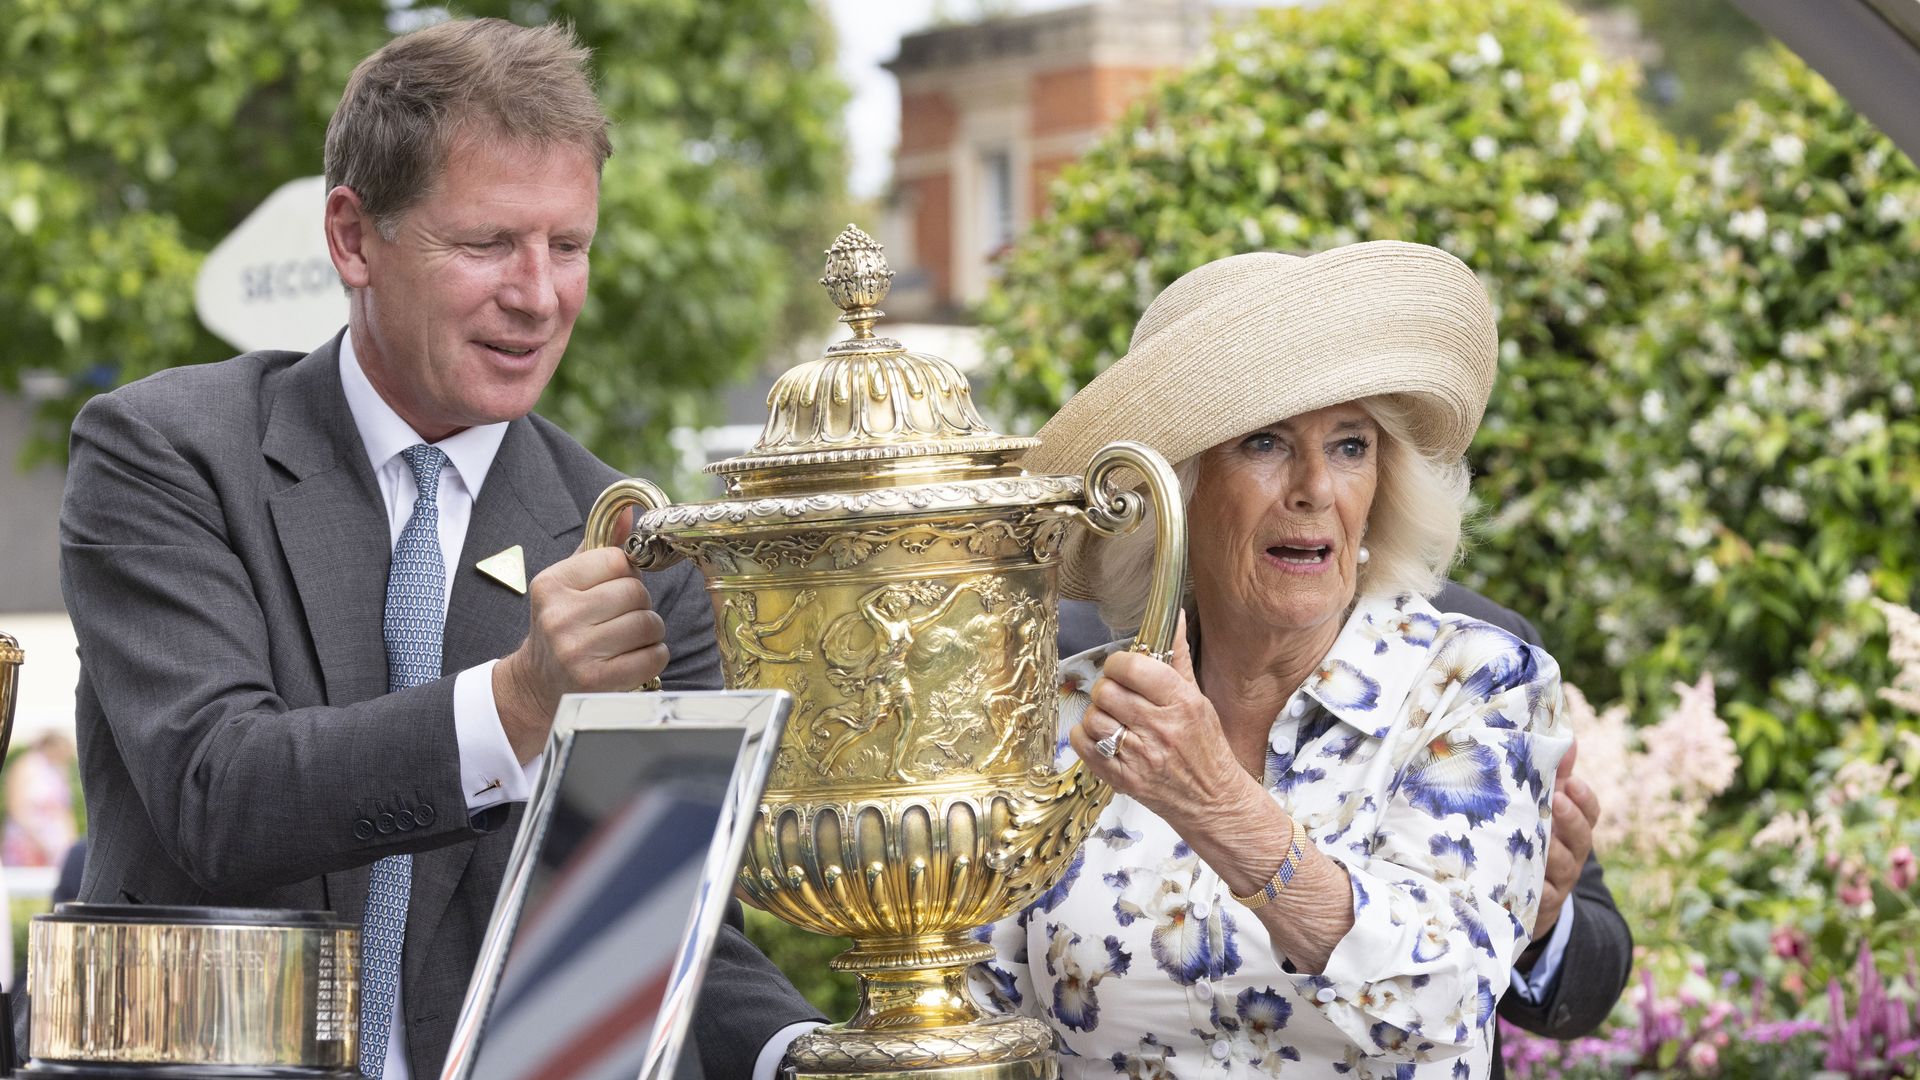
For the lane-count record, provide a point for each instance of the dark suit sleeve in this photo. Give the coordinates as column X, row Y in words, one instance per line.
column 1593, row 970
column 244, row 791
column 693, row 652
column 744, row 1001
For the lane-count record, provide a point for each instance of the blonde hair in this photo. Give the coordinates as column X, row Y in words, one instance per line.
column 1413, row 527
column 406, row 104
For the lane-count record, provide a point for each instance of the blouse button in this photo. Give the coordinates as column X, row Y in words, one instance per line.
column 1220, row 1050
column 1203, row 988
column 1201, row 909
column 1326, row 994
column 1298, row 707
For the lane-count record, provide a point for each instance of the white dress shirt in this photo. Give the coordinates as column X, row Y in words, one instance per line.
column 490, row 771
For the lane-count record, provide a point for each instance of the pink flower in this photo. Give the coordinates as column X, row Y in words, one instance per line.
column 1902, row 868
column 1703, row 1059
column 1856, row 888
column 1790, row 944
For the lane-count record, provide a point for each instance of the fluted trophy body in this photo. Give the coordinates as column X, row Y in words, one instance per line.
column 881, row 556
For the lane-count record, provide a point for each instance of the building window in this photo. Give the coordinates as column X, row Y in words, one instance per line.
column 996, row 202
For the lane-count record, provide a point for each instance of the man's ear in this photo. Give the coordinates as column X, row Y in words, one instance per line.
column 349, row 230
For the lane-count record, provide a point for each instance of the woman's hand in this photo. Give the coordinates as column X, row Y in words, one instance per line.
column 1174, row 758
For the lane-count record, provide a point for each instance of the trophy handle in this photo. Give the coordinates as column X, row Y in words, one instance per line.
column 644, row 552
column 1112, row 510
column 1058, row 811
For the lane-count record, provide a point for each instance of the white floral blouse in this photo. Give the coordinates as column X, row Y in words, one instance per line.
column 1420, row 756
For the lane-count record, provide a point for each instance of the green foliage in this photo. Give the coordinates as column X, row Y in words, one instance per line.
column 1763, row 446
column 135, row 135
column 1488, row 129
column 1701, row 70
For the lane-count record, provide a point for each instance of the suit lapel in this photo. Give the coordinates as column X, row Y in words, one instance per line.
column 331, row 526
column 524, row 501
column 333, row 531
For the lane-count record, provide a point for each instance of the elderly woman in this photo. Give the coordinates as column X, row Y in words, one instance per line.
column 1330, row 816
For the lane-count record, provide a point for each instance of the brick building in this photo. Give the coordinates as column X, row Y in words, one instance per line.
column 989, row 114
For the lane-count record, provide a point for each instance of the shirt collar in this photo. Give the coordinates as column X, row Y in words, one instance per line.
column 385, row 434
column 1367, row 675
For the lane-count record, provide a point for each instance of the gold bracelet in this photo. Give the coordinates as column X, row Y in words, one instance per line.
column 1277, row 884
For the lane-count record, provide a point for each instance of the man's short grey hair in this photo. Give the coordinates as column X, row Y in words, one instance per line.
column 406, row 105
column 1413, row 529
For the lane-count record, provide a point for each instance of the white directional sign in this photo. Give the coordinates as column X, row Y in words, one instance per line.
column 270, row 285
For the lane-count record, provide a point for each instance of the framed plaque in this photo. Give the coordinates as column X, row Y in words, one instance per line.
column 616, row 886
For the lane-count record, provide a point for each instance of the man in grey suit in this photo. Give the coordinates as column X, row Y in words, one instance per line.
column 298, row 689
column 1568, row 979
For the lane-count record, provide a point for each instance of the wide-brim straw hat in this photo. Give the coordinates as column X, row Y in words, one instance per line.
column 1252, row 339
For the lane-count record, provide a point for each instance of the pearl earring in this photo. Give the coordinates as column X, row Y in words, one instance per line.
column 1364, row 554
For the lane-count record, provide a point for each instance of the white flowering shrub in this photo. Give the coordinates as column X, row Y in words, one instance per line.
column 1763, row 449
column 1489, row 128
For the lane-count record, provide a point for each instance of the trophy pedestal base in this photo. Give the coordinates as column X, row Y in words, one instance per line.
column 995, row 1048
column 95, row 1070
column 1040, row 1068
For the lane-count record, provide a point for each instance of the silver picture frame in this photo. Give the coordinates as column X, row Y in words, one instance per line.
column 617, row 766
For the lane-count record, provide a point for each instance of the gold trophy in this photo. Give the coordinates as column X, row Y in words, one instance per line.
column 880, row 556
column 11, row 657
column 131, row 992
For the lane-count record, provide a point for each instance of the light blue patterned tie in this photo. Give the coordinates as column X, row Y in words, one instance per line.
column 415, row 622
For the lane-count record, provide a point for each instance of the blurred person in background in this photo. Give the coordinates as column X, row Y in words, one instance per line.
column 40, row 821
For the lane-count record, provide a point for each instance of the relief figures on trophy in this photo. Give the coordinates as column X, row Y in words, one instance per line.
column 923, row 678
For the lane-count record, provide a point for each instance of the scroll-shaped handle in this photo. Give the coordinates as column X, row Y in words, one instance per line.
column 1113, row 510
column 644, row 552
column 11, row 657
column 1056, row 812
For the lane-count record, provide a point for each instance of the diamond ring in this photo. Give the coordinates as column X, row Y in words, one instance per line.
column 1109, row 747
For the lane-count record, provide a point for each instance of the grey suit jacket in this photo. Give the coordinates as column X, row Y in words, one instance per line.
column 1594, row 968
column 224, row 555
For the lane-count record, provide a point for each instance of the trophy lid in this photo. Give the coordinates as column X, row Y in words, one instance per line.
column 868, row 410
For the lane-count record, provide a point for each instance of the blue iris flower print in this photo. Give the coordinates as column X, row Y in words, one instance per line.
column 1432, row 944
column 1514, row 666
column 1519, row 846
column 1471, row 922
column 1460, row 1071
column 1150, row 1063
column 1520, row 764
column 1343, row 748
column 1003, row 990
column 1190, row 949
column 1262, row 1010
column 1451, row 777
column 1387, row 1037
column 1078, row 967
column 1052, row 897
column 1454, row 854
column 1342, row 686
column 1117, row 837
column 1417, row 628
column 1287, row 776
column 1484, row 1002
